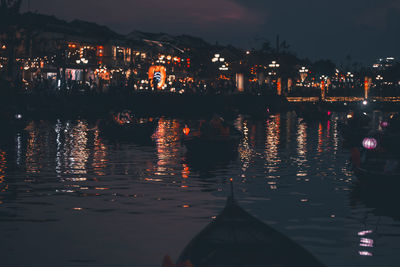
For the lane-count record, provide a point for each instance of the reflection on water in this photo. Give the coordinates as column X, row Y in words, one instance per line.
column 365, row 242
column 272, row 142
column 301, row 149
column 168, row 147
column 99, row 155
column 61, row 181
column 3, row 185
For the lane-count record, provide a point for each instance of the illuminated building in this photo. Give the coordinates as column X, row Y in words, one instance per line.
column 383, row 63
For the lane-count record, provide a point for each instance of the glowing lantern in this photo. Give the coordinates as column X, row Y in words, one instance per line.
column 329, row 113
column 186, row 130
column 158, row 75
column 384, row 124
column 369, row 143
column 279, row 86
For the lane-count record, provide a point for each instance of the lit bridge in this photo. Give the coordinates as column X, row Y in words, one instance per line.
column 294, row 99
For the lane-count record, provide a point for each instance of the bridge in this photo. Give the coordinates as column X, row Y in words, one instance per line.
column 300, row 99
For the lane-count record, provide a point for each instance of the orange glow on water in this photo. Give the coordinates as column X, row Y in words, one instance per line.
column 185, row 171
column 320, row 141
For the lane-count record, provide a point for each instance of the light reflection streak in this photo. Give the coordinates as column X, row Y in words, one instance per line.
column 19, row 148
column 99, row 155
column 328, row 129
column 288, row 128
column 168, row 146
column 365, row 242
column 245, row 151
column 3, row 162
column 335, row 137
column 75, row 151
column 365, row 253
column 185, row 175
column 33, row 150
column 185, row 171
column 320, row 140
column 58, row 129
column 271, row 149
column 301, row 148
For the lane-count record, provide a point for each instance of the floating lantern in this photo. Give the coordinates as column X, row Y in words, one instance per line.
column 186, row 130
column 369, row 143
column 384, row 124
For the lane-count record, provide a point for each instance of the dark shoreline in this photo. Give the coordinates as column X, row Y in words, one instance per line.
column 150, row 104
column 93, row 106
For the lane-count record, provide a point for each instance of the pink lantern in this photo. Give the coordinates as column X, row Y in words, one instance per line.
column 329, row 113
column 370, row 143
column 384, row 124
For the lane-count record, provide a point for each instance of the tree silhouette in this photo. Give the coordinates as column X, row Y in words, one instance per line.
column 9, row 33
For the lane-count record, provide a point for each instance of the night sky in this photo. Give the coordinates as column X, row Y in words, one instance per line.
column 365, row 29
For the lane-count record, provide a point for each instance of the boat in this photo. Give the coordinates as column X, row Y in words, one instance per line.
column 376, row 176
column 212, row 144
column 212, row 138
column 236, row 238
column 313, row 113
column 379, row 199
column 126, row 128
column 375, row 167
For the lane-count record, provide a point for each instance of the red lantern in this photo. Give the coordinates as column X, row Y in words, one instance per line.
column 369, row 143
column 186, row 130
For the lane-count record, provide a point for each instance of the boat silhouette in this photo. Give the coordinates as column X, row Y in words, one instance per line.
column 237, row 239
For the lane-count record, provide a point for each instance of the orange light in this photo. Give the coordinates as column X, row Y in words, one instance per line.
column 162, row 71
column 186, row 130
column 279, row 86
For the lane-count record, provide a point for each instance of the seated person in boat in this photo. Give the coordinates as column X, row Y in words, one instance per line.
column 215, row 128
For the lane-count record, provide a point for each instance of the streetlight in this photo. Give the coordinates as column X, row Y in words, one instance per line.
column 303, row 73
column 82, row 60
column 273, row 66
column 224, row 67
column 218, row 58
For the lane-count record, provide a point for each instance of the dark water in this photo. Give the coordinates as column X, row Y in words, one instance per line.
column 70, row 197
